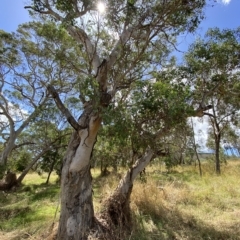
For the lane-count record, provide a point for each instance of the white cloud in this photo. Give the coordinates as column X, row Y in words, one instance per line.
column 225, row 2
column 201, row 126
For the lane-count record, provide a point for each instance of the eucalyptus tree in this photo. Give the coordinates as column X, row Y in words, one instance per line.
column 212, row 64
column 50, row 134
column 30, row 59
column 20, row 100
column 120, row 46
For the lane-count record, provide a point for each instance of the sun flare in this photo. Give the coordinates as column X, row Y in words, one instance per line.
column 101, row 7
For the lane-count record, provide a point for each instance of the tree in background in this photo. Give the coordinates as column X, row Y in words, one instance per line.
column 212, row 64
column 28, row 63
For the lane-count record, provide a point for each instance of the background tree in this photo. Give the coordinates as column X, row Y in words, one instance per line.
column 213, row 64
column 28, row 63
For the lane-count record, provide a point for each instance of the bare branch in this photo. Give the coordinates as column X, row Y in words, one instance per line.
column 81, row 36
column 23, row 144
column 63, row 109
column 37, row 10
column 209, row 114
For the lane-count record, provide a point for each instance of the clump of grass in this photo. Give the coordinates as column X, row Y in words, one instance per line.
column 102, row 188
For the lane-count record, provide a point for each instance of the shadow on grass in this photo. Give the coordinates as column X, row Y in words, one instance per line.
column 30, row 204
column 14, row 217
column 42, row 191
column 175, row 225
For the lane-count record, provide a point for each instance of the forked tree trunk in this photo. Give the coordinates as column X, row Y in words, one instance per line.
column 77, row 213
column 117, row 207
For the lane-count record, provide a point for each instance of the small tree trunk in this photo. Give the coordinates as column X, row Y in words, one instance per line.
column 195, row 150
column 27, row 169
column 117, row 206
column 50, row 170
column 217, row 155
column 77, row 213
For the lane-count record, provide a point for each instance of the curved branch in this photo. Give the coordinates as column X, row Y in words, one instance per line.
column 22, row 144
column 209, row 114
column 63, row 109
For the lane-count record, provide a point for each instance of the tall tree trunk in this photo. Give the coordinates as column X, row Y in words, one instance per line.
column 77, row 212
column 217, row 137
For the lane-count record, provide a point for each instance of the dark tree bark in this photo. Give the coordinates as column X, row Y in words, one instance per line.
column 217, row 153
column 117, row 207
column 8, row 182
column 50, row 170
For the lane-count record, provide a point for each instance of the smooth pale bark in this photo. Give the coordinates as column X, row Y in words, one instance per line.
column 217, row 137
column 127, row 181
column 77, row 212
column 10, row 144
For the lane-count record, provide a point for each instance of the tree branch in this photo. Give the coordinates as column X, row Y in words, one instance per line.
column 23, row 144
column 209, row 114
column 200, row 112
column 79, row 34
column 63, row 109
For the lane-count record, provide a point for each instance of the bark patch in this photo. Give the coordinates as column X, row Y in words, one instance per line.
column 8, row 182
column 115, row 218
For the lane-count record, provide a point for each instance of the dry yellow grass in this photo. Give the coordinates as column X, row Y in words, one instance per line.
column 186, row 206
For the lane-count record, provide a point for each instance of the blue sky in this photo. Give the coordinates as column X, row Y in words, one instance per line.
column 12, row 13
column 224, row 14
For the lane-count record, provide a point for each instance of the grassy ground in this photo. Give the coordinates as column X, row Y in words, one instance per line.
column 176, row 205
column 30, row 210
